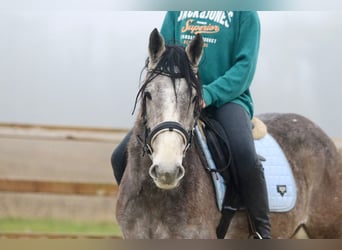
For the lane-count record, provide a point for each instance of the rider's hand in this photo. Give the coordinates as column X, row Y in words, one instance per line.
column 203, row 105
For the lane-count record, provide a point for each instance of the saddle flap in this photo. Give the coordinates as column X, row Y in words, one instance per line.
column 217, row 142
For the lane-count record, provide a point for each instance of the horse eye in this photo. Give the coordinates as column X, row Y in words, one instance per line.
column 147, row 95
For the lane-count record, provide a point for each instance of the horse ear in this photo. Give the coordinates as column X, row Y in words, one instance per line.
column 156, row 47
column 194, row 50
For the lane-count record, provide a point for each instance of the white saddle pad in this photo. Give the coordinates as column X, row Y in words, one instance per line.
column 281, row 187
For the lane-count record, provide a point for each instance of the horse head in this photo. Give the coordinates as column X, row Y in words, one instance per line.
column 170, row 98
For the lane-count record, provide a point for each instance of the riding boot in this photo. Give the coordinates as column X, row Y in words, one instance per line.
column 119, row 158
column 254, row 195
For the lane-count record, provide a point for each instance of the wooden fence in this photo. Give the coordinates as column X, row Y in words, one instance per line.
column 58, row 187
column 54, row 236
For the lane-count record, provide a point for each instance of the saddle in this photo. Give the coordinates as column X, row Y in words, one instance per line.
column 218, row 143
column 214, row 140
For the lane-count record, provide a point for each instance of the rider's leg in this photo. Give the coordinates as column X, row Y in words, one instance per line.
column 119, row 158
column 252, row 185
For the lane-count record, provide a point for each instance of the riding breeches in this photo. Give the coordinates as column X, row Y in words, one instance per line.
column 250, row 174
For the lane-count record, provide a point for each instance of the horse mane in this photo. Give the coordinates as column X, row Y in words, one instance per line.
column 175, row 64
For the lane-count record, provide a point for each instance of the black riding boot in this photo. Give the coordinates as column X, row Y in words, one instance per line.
column 119, row 158
column 254, row 194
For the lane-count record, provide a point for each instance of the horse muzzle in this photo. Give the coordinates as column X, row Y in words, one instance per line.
column 166, row 178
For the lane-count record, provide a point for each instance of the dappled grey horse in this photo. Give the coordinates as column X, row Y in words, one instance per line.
column 167, row 193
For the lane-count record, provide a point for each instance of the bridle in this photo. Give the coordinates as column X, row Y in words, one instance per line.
column 150, row 134
column 173, row 71
column 171, row 126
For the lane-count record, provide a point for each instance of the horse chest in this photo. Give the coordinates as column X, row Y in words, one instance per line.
column 154, row 224
column 159, row 217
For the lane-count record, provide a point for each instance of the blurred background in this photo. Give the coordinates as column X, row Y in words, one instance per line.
column 81, row 68
column 68, row 81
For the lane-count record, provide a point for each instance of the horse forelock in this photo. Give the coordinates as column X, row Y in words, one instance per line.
column 174, row 64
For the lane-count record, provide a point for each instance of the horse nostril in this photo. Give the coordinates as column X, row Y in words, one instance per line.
column 181, row 172
column 153, row 171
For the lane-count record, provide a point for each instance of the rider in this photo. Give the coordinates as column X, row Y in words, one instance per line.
column 226, row 72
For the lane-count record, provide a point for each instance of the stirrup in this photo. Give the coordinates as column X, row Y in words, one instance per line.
column 255, row 236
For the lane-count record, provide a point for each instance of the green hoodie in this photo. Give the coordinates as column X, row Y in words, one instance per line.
column 230, row 51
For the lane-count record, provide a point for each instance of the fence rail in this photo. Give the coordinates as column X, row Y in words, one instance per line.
column 54, row 236
column 26, row 131
column 58, row 187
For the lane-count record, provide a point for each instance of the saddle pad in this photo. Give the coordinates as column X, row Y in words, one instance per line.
column 281, row 187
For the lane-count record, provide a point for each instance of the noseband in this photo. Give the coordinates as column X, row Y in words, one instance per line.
column 171, row 126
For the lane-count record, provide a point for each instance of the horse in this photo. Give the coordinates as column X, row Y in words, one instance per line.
column 166, row 192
